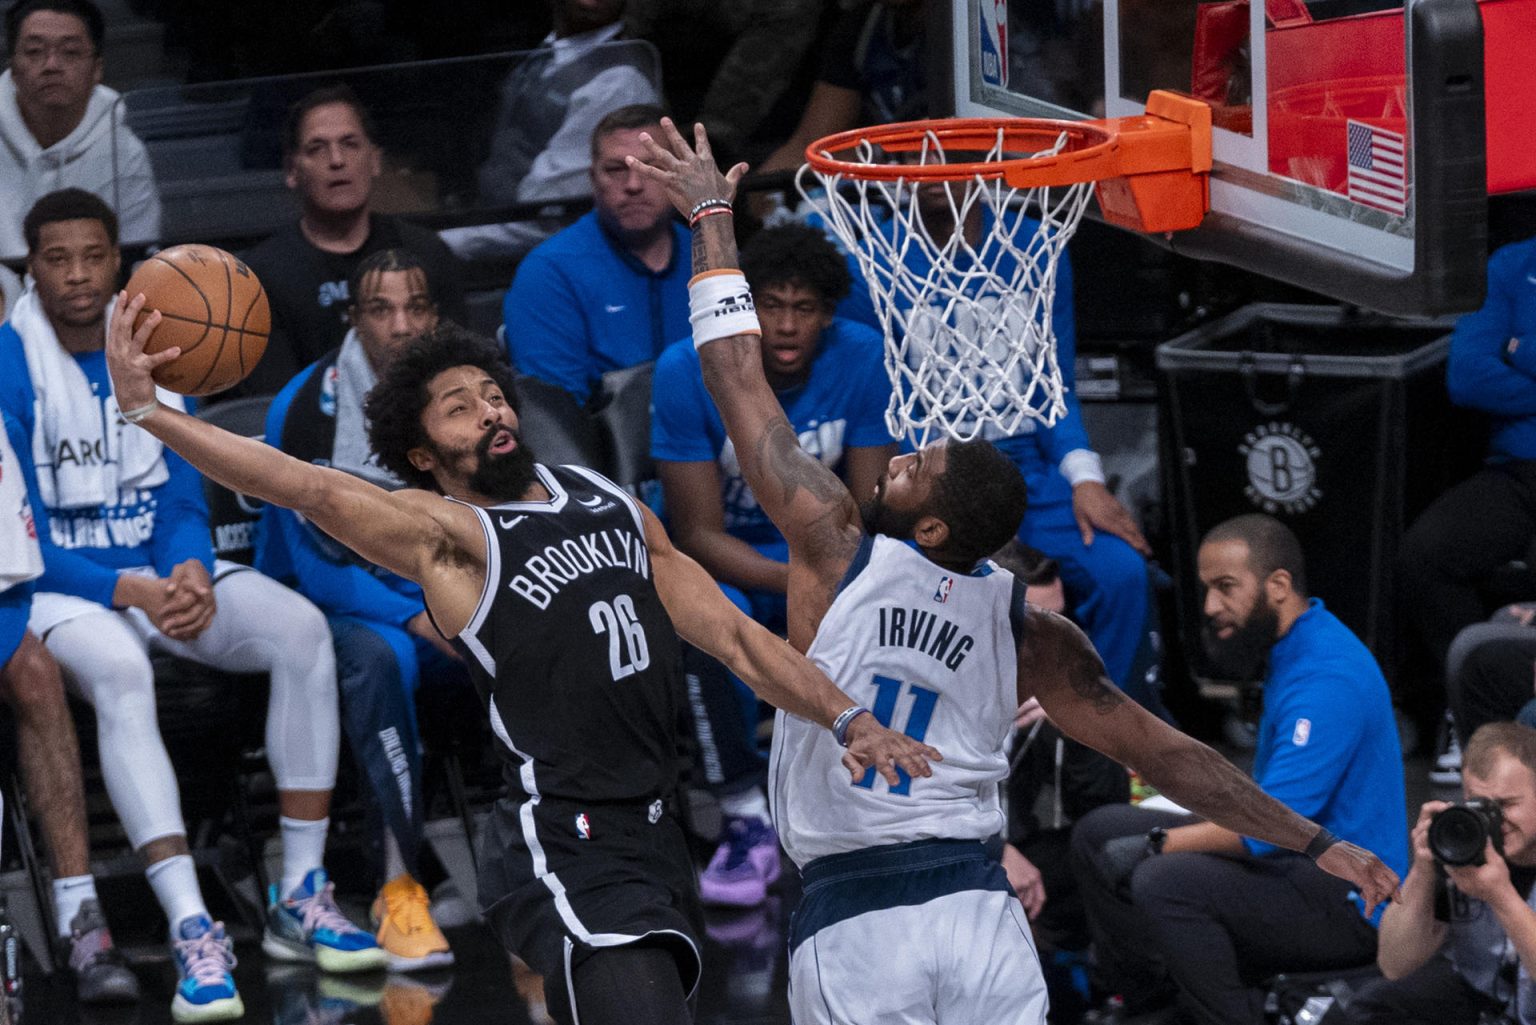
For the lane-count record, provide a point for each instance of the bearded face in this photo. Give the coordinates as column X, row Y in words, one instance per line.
column 1242, row 653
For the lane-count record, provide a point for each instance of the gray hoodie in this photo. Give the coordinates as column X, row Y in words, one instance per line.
column 101, row 155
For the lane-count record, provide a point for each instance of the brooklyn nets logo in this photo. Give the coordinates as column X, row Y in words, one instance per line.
column 1282, row 468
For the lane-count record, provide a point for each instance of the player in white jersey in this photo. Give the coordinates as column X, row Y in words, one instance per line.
column 905, row 918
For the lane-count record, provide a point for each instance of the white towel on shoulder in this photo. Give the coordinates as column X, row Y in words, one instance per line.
column 104, row 455
column 351, row 450
column 20, row 558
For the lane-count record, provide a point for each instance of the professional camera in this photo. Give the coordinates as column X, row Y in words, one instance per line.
column 1459, row 834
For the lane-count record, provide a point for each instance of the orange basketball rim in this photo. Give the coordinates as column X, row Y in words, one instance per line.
column 1151, row 171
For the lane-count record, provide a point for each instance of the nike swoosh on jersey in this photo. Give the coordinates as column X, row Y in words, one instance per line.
column 507, row 524
column 597, row 500
column 613, row 309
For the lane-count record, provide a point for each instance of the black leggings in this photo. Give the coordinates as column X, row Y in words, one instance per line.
column 634, row 985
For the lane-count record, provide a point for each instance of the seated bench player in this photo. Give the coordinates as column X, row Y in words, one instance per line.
column 129, row 569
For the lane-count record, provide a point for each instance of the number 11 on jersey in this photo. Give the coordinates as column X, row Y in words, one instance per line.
column 919, row 715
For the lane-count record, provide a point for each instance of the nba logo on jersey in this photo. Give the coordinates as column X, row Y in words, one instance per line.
column 941, row 593
column 994, row 43
column 584, row 826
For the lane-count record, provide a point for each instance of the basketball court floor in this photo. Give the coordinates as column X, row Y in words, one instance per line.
column 744, row 975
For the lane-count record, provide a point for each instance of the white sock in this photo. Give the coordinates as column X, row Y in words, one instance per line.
column 749, row 804
column 394, row 861
column 174, row 881
column 68, row 895
column 303, row 850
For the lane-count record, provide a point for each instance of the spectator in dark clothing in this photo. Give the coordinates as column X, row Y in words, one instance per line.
column 1490, row 672
column 1489, row 519
column 331, row 162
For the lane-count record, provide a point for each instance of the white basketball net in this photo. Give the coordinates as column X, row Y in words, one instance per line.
column 968, row 339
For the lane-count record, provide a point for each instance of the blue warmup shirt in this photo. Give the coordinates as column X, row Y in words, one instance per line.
column 1328, row 746
column 840, row 406
column 1036, row 450
column 581, row 306
column 290, row 551
column 83, row 549
column 1492, row 365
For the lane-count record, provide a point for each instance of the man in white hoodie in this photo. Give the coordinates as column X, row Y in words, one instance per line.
column 60, row 127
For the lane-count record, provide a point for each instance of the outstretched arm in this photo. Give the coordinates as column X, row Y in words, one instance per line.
column 1058, row 666
column 778, row 674
column 806, row 500
column 400, row 531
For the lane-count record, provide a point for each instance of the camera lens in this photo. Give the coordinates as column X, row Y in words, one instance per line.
column 1458, row 835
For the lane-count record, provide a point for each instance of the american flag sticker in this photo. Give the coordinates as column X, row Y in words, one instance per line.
column 1378, row 167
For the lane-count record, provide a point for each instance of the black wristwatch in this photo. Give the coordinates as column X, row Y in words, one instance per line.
column 1156, row 837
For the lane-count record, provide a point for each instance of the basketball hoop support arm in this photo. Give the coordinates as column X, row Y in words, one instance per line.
column 1161, row 181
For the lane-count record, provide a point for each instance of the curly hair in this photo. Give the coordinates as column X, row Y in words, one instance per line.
column 981, row 497
column 796, row 255
column 395, row 404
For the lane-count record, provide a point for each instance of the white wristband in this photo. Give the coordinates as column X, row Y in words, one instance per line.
column 1082, row 465
column 720, row 306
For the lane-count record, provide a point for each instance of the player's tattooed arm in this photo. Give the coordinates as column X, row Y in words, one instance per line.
column 1058, row 666
column 805, row 499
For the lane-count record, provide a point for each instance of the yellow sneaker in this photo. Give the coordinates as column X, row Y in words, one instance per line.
column 409, row 1003
column 405, row 928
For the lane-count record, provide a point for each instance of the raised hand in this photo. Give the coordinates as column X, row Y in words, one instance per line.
column 127, row 362
column 870, row 744
column 689, row 174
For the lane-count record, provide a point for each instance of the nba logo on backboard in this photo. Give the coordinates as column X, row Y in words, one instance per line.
column 941, row 593
column 994, row 42
column 584, row 826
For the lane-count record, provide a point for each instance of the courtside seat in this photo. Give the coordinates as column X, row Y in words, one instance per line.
column 625, row 421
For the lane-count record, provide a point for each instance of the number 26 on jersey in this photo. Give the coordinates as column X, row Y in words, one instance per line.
column 628, row 652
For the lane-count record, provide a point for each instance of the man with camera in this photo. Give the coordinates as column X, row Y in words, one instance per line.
column 1468, row 896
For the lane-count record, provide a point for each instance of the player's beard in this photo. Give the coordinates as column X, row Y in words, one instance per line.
column 505, row 478
column 1242, row 656
column 879, row 518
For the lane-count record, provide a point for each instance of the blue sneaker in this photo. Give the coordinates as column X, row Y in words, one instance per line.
column 205, row 991
column 307, row 926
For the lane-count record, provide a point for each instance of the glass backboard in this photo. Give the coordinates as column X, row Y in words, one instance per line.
column 1349, row 144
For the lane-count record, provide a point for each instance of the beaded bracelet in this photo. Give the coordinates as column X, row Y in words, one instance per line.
column 712, row 205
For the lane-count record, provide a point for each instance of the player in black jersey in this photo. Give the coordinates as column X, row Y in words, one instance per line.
column 562, row 594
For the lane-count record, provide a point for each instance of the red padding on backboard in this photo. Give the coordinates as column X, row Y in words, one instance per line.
column 1324, row 73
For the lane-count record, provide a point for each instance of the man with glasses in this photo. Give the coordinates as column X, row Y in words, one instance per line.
column 60, row 127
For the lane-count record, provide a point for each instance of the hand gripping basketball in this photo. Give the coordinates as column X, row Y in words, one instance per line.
column 130, row 367
column 689, row 175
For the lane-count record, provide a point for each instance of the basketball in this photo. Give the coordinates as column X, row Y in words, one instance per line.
column 212, row 307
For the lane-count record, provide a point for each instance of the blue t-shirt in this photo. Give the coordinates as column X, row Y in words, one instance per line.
column 83, row 549
column 840, row 406
column 1327, row 745
column 1492, row 363
column 581, row 306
